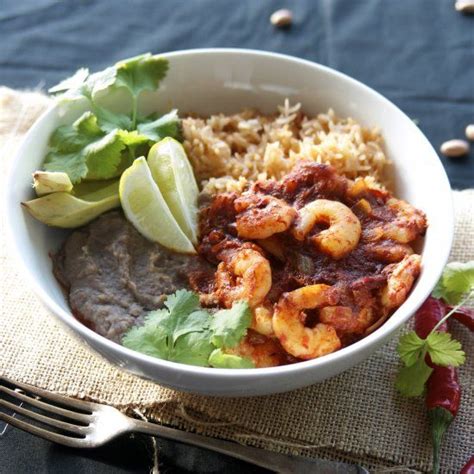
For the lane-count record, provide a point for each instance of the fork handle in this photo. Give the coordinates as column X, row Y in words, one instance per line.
column 276, row 462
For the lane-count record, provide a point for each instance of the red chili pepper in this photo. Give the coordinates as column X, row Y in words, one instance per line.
column 468, row 467
column 431, row 312
column 443, row 392
column 464, row 316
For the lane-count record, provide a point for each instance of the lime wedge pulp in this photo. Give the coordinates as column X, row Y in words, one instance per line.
column 147, row 210
column 174, row 175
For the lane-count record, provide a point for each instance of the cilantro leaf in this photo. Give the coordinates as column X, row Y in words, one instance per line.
column 228, row 326
column 100, row 81
column 133, row 138
column 167, row 125
column 193, row 348
column 140, row 73
column 82, row 84
column 103, row 156
column 178, row 333
column 220, row 359
column 71, row 83
column 197, row 321
column 150, row 339
column 178, row 308
column 73, row 164
column 101, row 144
column 410, row 348
column 183, row 332
column 69, row 138
column 182, row 302
column 109, row 120
column 444, row 350
column 87, row 125
column 184, row 317
column 82, row 150
column 457, row 280
column 411, row 380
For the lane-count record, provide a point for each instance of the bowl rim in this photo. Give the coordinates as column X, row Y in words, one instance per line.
column 369, row 342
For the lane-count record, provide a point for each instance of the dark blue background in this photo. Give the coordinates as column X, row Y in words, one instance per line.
column 418, row 53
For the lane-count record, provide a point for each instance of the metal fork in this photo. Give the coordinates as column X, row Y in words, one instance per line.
column 92, row 424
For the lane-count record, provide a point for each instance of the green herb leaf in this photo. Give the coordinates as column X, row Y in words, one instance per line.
column 150, row 339
column 103, row 156
column 178, row 333
column 133, row 139
column 101, row 144
column 455, row 285
column 167, row 125
column 85, row 85
column 220, row 359
column 110, row 121
column 136, row 74
column 71, row 83
column 100, row 81
column 193, row 348
column 410, row 347
column 73, row 164
column 140, row 73
column 70, row 138
column 182, row 302
column 183, row 332
column 87, row 125
column 411, row 380
column 228, row 326
column 457, row 280
column 83, row 150
column 444, row 350
column 197, row 321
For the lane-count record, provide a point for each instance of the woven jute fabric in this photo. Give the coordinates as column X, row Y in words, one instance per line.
column 356, row 416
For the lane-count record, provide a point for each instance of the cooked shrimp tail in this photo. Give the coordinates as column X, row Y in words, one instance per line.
column 298, row 340
column 344, row 230
column 261, row 216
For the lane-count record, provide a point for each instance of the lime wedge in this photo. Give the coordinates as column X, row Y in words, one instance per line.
column 174, row 176
column 46, row 182
column 62, row 209
column 147, row 210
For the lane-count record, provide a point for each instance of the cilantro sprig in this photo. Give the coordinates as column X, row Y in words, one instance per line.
column 184, row 332
column 102, row 143
column 456, row 287
column 456, row 282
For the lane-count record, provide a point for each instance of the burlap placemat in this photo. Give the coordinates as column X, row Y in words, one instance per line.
column 357, row 416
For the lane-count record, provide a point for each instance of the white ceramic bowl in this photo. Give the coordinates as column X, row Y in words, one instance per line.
column 226, row 80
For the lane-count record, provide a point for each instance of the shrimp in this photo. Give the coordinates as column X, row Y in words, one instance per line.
column 262, row 351
column 400, row 280
column 387, row 251
column 262, row 319
column 344, row 230
column 245, row 275
column 273, row 246
column 409, row 224
column 260, row 216
column 296, row 339
column 405, row 227
column 344, row 319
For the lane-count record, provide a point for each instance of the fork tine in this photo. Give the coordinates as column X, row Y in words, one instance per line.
column 71, row 402
column 43, row 419
column 48, row 435
column 46, row 406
